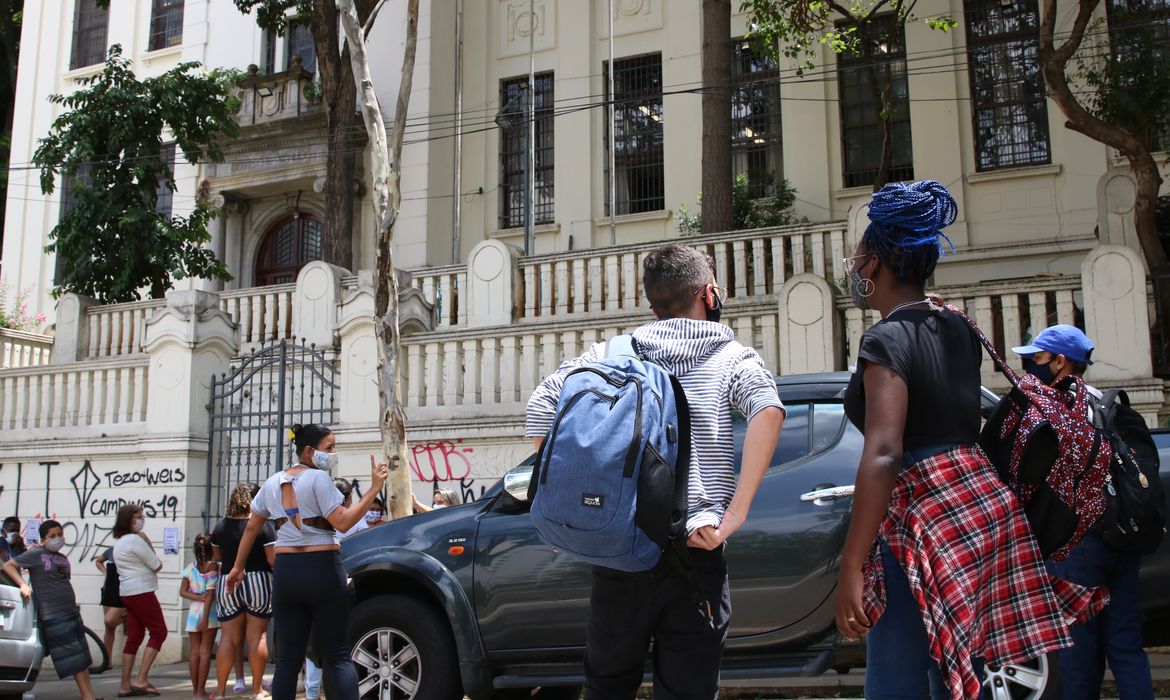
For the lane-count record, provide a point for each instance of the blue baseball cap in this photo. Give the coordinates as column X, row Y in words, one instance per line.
column 1061, row 339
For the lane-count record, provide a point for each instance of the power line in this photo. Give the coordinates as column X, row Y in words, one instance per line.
column 432, row 122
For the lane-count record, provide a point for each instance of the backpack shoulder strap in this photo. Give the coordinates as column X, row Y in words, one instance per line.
column 619, row 346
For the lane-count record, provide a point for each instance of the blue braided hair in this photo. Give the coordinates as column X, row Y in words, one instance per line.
column 905, row 230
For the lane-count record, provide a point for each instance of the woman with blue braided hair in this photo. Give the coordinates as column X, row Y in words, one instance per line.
column 939, row 566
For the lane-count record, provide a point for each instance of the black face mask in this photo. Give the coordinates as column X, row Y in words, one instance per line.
column 1042, row 372
column 714, row 314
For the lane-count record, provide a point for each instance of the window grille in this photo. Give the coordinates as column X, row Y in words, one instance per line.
column 166, row 24
column 1008, row 108
column 90, row 24
column 859, row 83
column 164, row 197
column 638, row 134
column 1139, row 27
column 289, row 245
column 298, row 41
column 514, row 152
column 756, row 149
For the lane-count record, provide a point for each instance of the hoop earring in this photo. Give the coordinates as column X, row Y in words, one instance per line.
column 865, row 287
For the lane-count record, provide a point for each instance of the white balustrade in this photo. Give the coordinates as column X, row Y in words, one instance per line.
column 1009, row 314
column 101, row 392
column 582, row 284
column 263, row 314
column 21, row 349
column 117, row 329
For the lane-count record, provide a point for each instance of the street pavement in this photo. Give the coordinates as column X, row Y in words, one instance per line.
column 173, row 682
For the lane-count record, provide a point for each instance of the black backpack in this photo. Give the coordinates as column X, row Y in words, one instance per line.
column 1135, row 506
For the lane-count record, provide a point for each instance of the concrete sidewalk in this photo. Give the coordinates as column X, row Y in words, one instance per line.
column 173, row 682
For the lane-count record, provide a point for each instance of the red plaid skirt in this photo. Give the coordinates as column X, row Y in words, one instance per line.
column 974, row 569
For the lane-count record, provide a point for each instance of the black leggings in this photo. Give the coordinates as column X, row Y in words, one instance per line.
column 309, row 593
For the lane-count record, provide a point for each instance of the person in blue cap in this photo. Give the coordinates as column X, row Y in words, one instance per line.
column 1114, row 635
column 1057, row 353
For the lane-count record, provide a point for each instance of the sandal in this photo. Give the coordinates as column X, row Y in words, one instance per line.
column 145, row 690
column 239, row 687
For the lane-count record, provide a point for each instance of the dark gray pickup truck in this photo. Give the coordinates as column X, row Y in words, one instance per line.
column 468, row 600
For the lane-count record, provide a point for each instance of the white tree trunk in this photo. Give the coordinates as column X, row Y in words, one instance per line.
column 387, row 158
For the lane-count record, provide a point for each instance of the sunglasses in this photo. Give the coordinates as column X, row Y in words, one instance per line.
column 720, row 292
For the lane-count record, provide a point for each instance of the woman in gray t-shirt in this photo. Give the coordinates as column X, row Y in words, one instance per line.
column 308, row 581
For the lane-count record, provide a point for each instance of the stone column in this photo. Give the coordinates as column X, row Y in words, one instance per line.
column 189, row 341
column 807, row 325
column 491, row 285
column 1113, row 281
column 233, row 213
column 71, row 341
column 359, row 354
column 315, row 303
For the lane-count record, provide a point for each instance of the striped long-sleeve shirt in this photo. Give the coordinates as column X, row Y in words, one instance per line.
column 717, row 373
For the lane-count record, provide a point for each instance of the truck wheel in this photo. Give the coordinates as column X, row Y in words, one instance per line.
column 403, row 650
column 1038, row 679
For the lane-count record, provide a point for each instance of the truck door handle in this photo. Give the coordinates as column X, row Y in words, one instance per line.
column 826, row 496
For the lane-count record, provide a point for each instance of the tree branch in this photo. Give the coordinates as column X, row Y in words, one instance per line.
column 370, row 20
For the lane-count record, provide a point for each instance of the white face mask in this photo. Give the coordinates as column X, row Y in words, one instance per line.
column 325, row 460
column 10, row 537
column 373, row 516
column 55, row 544
column 437, row 506
column 137, row 524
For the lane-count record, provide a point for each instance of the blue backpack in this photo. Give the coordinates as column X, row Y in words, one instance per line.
column 610, row 483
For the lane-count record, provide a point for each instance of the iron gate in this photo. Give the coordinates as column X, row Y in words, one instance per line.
column 251, row 408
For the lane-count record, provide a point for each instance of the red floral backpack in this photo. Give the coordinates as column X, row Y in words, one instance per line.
column 1047, row 450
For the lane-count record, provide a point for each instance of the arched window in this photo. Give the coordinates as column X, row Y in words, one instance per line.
column 288, row 246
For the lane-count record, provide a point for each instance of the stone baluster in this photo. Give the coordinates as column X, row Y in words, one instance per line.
column 509, row 380
column 1065, row 308
column 596, row 283
column 798, row 262
column 529, row 365
column 530, row 291
column 837, row 253
column 779, row 273
column 611, row 283
column 818, row 253
column 414, row 382
column 629, row 282
column 580, row 293
column 140, row 391
column 452, row 373
column 739, row 253
column 1038, row 312
column 759, row 267
column 489, row 392
column 460, row 298
column 546, row 290
column 1010, row 304
column 434, row 373
column 471, row 373
column 561, row 277
column 447, row 293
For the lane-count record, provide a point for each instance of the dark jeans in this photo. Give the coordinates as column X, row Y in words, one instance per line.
column 898, row 662
column 627, row 610
column 309, row 593
column 897, row 650
column 1114, row 634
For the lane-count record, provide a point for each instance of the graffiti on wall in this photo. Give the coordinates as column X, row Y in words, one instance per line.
column 86, row 497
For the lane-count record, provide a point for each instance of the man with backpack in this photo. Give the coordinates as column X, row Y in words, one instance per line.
column 1102, row 558
column 682, row 602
